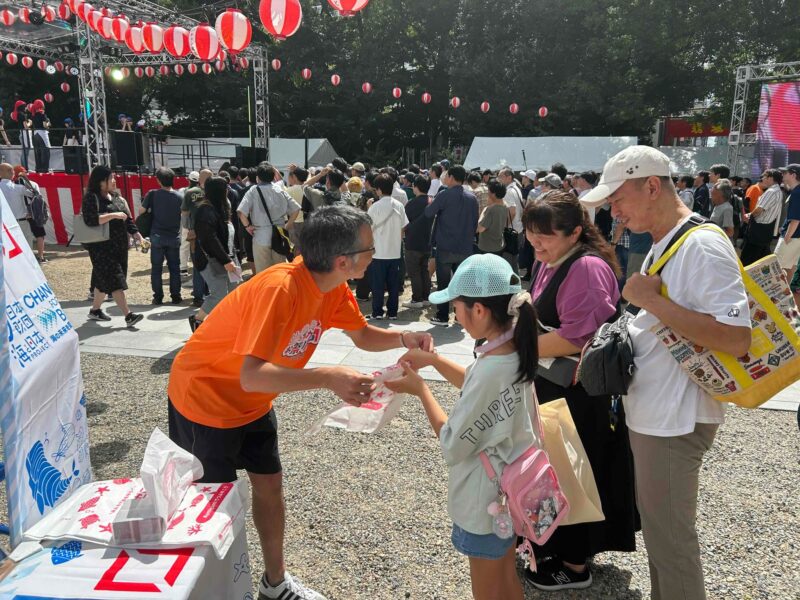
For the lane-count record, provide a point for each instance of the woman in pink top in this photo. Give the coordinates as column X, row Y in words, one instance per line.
column 574, row 289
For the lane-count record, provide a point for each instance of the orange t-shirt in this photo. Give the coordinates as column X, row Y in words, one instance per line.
column 278, row 316
column 752, row 194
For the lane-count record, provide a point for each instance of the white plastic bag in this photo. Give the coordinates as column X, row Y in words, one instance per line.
column 371, row 416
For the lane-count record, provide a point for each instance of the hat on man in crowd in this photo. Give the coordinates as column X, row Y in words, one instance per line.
column 194, row 176
column 20, row 170
column 358, row 167
column 794, row 169
column 633, row 162
column 530, row 174
column 553, row 180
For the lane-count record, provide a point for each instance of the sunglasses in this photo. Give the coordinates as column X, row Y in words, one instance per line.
column 370, row 249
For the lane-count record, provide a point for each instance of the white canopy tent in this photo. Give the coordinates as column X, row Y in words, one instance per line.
column 576, row 153
column 688, row 160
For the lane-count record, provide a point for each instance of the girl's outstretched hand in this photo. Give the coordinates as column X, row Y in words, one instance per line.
column 410, row 383
column 418, row 359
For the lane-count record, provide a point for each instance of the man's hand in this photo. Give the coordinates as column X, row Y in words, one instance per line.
column 418, row 359
column 418, row 339
column 292, row 167
column 642, row 289
column 350, row 385
column 410, row 383
column 230, row 267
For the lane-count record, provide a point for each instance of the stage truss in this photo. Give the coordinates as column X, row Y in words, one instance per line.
column 745, row 75
column 92, row 54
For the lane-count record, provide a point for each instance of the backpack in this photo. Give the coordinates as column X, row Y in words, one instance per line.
column 38, row 210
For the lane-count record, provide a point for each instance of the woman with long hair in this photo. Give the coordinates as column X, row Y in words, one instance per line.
column 213, row 252
column 109, row 258
column 574, row 290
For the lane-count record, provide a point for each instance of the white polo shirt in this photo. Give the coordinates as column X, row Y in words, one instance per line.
column 703, row 276
column 388, row 219
column 15, row 196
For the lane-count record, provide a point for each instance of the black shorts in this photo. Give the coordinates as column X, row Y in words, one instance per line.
column 38, row 232
column 253, row 447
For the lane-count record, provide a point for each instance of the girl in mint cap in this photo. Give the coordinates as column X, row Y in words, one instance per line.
column 492, row 414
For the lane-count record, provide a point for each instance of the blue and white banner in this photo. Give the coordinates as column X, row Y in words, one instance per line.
column 42, row 406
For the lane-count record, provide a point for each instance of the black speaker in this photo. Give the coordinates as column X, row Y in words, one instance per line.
column 75, row 160
column 252, row 156
column 129, row 150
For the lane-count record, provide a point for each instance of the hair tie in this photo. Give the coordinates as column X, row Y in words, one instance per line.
column 517, row 300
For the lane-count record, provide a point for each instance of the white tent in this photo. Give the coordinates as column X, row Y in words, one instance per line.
column 576, row 153
column 688, row 160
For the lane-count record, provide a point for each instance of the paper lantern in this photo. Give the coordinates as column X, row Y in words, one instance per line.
column 233, row 30
column 204, row 42
column 27, row 62
column 455, row 101
column 244, row 62
column 222, row 54
column 426, row 98
column 306, row 74
column 513, row 108
column 153, row 37
column 24, row 14
column 64, row 11
column 276, row 64
column 59, row 66
column 41, row 64
column 93, row 21
column 49, row 13
column 126, row 72
column 178, row 70
column 7, row 17
column 219, row 65
column 192, row 68
column 281, row 18
column 83, row 10
column 176, row 41
column 543, row 111
column 366, row 87
column 149, row 71
column 335, row 79
column 11, row 58
column 72, row 5
column 163, row 70
column 134, row 41
column 119, row 28
column 397, row 92
column 485, row 106
column 48, row 97
column 65, row 87
column 106, row 28
column 139, row 72
column 107, row 12
column 348, row 8
column 207, row 69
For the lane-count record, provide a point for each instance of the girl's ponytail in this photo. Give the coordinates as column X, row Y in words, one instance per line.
column 526, row 342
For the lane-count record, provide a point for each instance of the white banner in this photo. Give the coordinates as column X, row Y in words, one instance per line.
column 42, row 411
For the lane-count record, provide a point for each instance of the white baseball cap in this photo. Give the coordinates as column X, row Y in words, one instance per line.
column 631, row 163
column 530, row 174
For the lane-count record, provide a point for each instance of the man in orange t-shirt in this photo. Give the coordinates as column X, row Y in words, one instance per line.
column 253, row 347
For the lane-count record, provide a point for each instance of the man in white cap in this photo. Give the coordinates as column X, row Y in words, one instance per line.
column 194, row 178
column 671, row 421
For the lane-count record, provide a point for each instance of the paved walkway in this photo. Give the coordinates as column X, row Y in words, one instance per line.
column 165, row 330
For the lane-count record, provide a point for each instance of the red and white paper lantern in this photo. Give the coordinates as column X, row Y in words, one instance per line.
column 455, row 101
column 49, row 13
column 176, row 41
column 192, row 68
column 485, row 106
column 106, row 28
column 41, row 64
column 397, row 92
column 48, row 97
column 335, row 80
column 306, row 74
column 366, row 87
column 281, row 18
column 222, row 54
column 219, row 65
column 83, row 10
column 65, row 87
column 348, row 8
column 94, row 19
column 139, row 72
column 178, row 70
column 149, row 71
column 234, row 30
column 134, row 41
column 204, row 42
column 276, row 64
column 119, row 28
column 107, row 71
column 513, row 108
column 64, row 11
column 7, row 17
column 24, row 14
column 27, row 62
column 153, row 37
column 207, row 69
column 163, row 70
column 12, row 58
column 126, row 72
column 59, row 66
column 543, row 111
column 426, row 98
column 244, row 62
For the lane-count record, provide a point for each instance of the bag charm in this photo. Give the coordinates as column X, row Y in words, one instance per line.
column 502, row 525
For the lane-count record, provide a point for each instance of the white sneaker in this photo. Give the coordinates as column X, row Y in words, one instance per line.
column 412, row 304
column 288, row 589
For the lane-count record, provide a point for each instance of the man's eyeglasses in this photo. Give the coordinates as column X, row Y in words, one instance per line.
column 354, row 252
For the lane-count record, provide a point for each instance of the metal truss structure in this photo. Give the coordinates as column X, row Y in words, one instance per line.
column 745, row 75
column 94, row 54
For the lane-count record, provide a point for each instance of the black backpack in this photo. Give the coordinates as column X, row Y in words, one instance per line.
column 37, row 206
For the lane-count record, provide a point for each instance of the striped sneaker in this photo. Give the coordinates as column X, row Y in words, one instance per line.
column 288, row 589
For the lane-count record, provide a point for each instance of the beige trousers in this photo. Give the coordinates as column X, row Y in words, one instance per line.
column 265, row 257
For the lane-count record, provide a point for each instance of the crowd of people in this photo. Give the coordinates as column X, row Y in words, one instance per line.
column 532, row 264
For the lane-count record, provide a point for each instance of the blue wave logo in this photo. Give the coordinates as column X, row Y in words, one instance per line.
column 47, row 319
column 66, row 552
column 45, row 481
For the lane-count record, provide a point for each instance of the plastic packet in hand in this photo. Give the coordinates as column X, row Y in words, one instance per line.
column 371, row 416
column 235, row 276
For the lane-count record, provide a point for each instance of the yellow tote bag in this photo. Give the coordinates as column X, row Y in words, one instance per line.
column 773, row 361
column 568, row 457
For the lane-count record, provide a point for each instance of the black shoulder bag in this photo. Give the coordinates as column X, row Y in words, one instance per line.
column 144, row 222
column 280, row 238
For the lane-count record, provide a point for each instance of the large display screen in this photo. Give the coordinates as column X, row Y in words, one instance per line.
column 778, row 127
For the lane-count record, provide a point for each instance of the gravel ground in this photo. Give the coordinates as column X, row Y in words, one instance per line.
column 367, row 513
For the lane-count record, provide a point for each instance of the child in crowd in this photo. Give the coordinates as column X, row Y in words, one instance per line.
column 492, row 414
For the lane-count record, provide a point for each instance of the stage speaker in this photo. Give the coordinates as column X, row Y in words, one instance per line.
column 75, row 160
column 252, row 156
column 129, row 150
